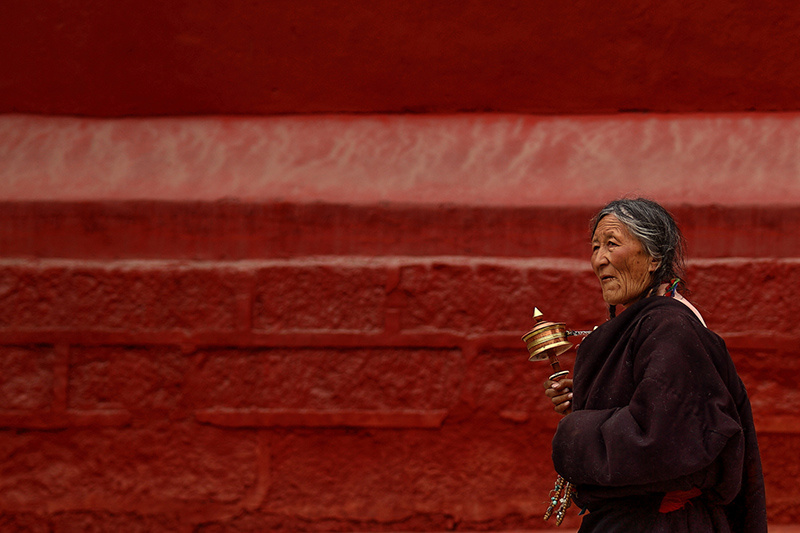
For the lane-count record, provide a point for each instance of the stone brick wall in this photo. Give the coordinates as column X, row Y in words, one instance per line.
column 318, row 366
column 327, row 392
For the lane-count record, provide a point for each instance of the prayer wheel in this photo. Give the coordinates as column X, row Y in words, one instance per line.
column 546, row 341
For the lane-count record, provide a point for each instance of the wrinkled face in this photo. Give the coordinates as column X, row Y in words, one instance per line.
column 620, row 262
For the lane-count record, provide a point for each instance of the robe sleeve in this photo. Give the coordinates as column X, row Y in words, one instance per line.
column 680, row 416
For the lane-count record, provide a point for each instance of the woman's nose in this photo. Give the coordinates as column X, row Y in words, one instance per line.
column 600, row 257
column 601, row 260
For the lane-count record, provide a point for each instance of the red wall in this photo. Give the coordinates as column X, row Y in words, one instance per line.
column 130, row 57
column 312, row 322
column 317, row 393
column 282, row 365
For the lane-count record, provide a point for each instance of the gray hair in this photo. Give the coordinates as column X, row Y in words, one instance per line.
column 658, row 233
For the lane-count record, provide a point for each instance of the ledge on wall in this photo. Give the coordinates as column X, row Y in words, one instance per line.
column 468, row 184
column 465, row 159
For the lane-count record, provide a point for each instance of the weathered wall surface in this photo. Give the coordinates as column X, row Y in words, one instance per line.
column 175, row 361
column 132, row 58
column 311, row 322
column 474, row 159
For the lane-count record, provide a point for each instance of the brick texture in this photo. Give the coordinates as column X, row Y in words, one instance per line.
column 392, row 476
column 139, row 378
column 27, row 378
column 344, row 394
column 124, row 297
column 327, row 392
column 323, row 297
column 328, row 379
column 143, row 467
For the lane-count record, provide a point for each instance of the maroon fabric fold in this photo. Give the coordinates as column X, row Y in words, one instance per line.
column 677, row 499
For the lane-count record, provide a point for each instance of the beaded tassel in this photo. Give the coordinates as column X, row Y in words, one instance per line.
column 554, row 494
column 560, row 500
column 565, row 501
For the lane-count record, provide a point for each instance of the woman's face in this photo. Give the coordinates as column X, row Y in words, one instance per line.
column 620, row 262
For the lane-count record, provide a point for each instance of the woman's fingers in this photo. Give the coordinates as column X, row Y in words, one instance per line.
column 560, row 393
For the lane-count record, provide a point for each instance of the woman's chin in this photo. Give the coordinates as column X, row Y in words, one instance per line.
column 611, row 299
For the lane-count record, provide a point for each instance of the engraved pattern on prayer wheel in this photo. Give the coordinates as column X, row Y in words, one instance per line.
column 546, row 336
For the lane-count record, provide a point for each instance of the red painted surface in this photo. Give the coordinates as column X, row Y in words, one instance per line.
column 205, row 57
column 313, row 323
column 230, row 230
column 239, row 325
column 467, row 159
column 370, row 393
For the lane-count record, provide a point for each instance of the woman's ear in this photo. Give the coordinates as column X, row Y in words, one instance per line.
column 654, row 263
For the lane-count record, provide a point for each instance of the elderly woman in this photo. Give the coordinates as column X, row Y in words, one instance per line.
column 661, row 436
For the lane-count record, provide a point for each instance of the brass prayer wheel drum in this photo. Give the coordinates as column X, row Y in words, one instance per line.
column 546, row 336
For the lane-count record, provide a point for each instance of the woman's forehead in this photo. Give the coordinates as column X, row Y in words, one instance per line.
column 610, row 225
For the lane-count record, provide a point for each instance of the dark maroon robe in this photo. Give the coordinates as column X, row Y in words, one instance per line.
column 659, row 407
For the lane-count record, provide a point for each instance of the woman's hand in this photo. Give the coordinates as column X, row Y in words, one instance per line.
column 560, row 393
